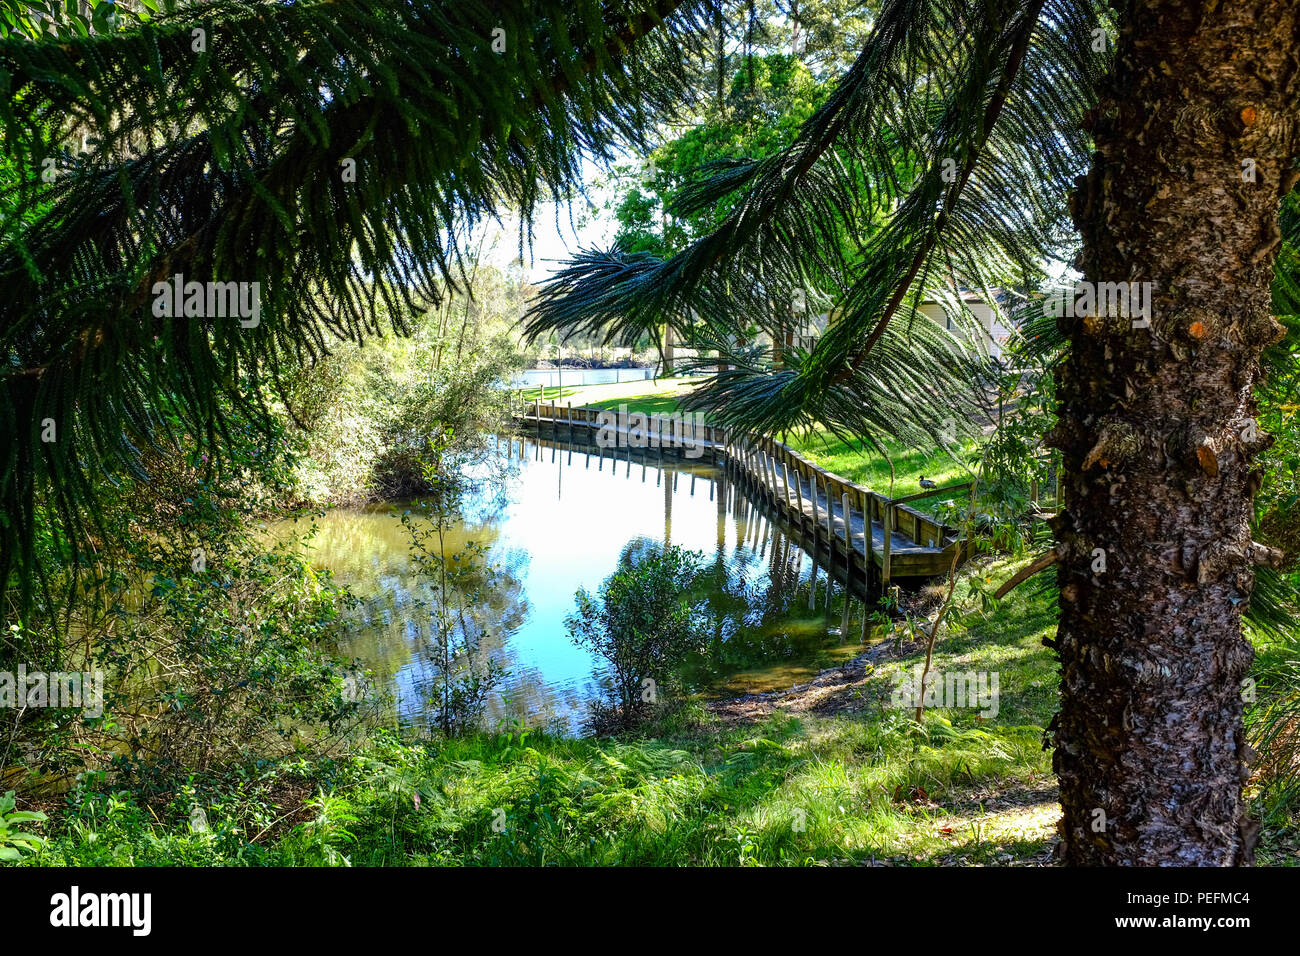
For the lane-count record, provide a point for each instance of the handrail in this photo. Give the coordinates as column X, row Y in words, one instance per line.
column 774, row 443
column 931, row 492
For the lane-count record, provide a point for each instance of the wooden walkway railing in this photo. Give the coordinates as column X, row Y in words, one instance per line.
column 872, row 535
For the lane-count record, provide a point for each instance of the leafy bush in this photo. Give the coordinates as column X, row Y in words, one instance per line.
column 366, row 419
column 644, row 622
column 14, row 841
column 1273, row 726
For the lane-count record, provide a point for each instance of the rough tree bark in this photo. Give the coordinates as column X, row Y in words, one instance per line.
column 1195, row 136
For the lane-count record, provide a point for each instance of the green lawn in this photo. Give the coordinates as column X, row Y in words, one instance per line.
column 657, row 395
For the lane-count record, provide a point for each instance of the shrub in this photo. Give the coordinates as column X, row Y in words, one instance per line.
column 644, row 622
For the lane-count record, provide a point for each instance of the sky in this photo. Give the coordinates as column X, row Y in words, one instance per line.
column 552, row 241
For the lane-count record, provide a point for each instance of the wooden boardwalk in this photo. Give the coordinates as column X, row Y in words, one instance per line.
column 839, row 517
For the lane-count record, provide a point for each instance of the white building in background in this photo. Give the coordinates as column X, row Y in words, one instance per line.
column 992, row 338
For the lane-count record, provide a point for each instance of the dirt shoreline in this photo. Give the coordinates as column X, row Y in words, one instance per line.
column 841, row 689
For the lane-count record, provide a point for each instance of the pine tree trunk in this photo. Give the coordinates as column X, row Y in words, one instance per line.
column 1157, row 432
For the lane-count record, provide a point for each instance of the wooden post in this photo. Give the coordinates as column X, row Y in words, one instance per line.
column 887, row 521
column 864, row 501
column 812, row 500
column 830, row 527
column 798, row 490
column 777, row 484
column 848, row 532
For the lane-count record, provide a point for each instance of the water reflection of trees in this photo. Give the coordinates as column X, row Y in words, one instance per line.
column 766, row 594
column 764, row 608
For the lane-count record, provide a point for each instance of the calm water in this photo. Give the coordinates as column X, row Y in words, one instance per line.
column 570, row 377
column 559, row 518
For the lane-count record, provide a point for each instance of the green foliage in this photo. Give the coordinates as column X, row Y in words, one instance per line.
column 321, row 840
column 862, row 786
column 770, row 97
column 1273, row 718
column 1277, row 506
column 13, row 840
column 959, row 124
column 214, row 649
column 237, row 658
column 644, row 622
column 1010, row 461
column 1273, row 723
column 34, row 20
column 366, row 417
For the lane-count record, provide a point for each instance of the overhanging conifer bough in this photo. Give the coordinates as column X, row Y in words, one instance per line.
column 332, row 152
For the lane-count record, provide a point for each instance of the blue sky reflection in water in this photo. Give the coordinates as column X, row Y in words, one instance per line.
column 560, row 519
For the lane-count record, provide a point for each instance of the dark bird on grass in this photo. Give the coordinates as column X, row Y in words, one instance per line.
column 926, row 483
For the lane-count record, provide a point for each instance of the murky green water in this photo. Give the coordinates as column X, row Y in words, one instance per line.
column 560, row 518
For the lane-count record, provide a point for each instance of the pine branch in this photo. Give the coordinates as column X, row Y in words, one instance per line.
column 991, row 114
